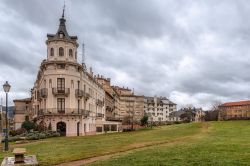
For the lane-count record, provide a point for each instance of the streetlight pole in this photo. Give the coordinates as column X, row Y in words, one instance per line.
column 6, row 88
column 7, row 132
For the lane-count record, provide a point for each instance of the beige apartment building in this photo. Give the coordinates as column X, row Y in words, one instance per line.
column 112, row 100
column 158, row 109
column 131, row 106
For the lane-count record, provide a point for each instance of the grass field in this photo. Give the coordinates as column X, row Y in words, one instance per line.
column 213, row 143
column 224, row 143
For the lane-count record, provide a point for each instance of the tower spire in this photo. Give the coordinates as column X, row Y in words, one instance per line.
column 63, row 9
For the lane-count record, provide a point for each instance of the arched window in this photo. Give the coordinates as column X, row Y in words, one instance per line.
column 70, row 52
column 61, row 51
column 52, row 52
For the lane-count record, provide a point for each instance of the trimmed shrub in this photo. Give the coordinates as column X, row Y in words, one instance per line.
column 35, row 135
column 13, row 139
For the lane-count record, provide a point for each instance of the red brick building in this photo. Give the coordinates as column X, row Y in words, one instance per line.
column 239, row 110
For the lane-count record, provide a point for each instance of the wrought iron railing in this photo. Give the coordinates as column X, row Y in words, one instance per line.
column 66, row 111
column 61, row 91
column 79, row 93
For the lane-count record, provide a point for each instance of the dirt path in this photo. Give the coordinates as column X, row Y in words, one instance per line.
column 137, row 147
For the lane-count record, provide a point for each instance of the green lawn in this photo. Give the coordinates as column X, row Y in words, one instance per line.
column 224, row 143
column 64, row 149
column 212, row 143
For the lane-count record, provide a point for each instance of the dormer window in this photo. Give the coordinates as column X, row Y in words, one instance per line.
column 70, row 52
column 61, row 35
column 52, row 52
column 61, row 51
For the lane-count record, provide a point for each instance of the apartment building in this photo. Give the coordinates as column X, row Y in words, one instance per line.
column 131, row 105
column 112, row 100
column 158, row 109
column 234, row 110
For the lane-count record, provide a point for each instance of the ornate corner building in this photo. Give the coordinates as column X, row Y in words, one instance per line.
column 65, row 95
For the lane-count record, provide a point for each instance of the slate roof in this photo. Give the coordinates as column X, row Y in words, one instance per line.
column 62, row 30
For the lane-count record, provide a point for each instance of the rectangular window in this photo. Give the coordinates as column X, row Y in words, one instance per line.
column 61, row 105
column 50, row 83
column 78, row 84
column 60, row 84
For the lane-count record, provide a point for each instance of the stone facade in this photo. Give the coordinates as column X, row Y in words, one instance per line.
column 158, row 109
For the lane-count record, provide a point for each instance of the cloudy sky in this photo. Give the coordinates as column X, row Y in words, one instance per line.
column 194, row 52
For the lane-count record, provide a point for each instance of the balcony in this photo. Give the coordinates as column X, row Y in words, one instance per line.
column 99, row 115
column 85, row 113
column 99, row 102
column 79, row 93
column 113, row 119
column 43, row 93
column 86, row 95
column 61, row 91
column 66, row 111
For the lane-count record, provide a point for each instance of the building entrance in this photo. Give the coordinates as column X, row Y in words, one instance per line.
column 61, row 128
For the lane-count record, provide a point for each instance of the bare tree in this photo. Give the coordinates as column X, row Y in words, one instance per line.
column 213, row 114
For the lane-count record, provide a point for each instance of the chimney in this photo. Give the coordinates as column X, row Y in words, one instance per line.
column 90, row 71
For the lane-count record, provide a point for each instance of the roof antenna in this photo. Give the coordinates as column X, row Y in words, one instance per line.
column 63, row 9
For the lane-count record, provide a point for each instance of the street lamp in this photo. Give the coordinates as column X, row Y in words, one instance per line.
column 6, row 88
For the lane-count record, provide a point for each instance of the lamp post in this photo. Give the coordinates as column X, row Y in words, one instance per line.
column 6, row 88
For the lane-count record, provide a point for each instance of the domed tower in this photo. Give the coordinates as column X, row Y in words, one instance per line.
column 65, row 96
column 61, row 46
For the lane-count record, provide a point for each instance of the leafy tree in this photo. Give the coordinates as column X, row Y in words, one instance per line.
column 144, row 120
column 213, row 114
column 28, row 125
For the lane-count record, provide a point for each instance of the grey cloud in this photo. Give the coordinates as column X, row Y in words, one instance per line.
column 195, row 52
